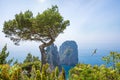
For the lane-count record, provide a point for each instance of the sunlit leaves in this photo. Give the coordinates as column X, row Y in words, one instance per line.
column 88, row 72
column 16, row 72
column 113, row 58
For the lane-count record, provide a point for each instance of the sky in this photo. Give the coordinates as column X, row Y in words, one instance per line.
column 93, row 23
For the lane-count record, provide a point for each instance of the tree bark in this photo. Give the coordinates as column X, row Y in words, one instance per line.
column 43, row 55
column 43, row 52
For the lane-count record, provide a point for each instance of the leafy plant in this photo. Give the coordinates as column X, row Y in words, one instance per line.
column 88, row 72
column 29, row 70
column 113, row 58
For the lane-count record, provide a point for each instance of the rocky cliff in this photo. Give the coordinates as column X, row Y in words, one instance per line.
column 53, row 56
column 68, row 53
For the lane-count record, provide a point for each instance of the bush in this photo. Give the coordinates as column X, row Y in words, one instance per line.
column 4, row 72
column 16, row 72
column 88, row 72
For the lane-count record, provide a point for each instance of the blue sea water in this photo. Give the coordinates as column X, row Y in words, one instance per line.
column 67, row 68
column 86, row 57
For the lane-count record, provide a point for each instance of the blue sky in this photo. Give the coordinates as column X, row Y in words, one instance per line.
column 93, row 23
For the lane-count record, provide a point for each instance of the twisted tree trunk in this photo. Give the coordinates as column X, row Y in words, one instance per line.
column 43, row 52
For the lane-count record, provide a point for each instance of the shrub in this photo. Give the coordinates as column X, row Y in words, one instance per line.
column 88, row 72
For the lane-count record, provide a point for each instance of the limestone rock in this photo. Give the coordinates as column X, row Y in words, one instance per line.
column 53, row 56
column 68, row 53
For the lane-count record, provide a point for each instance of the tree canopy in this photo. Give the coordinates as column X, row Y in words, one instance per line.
column 43, row 27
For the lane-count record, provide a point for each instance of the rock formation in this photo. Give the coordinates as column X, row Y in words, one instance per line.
column 68, row 53
column 53, row 56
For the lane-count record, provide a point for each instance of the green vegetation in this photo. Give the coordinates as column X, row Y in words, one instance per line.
column 113, row 58
column 44, row 27
column 16, row 72
column 3, row 56
column 28, row 70
column 31, row 58
column 88, row 72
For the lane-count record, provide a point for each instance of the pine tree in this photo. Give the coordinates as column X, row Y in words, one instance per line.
column 3, row 55
column 28, row 58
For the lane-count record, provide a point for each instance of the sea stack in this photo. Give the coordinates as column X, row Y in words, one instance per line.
column 53, row 56
column 68, row 53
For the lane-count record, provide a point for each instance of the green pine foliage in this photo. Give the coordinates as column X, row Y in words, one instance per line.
column 30, row 58
column 88, row 72
column 3, row 56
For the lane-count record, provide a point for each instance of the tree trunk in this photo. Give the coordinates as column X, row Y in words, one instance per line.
column 43, row 53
